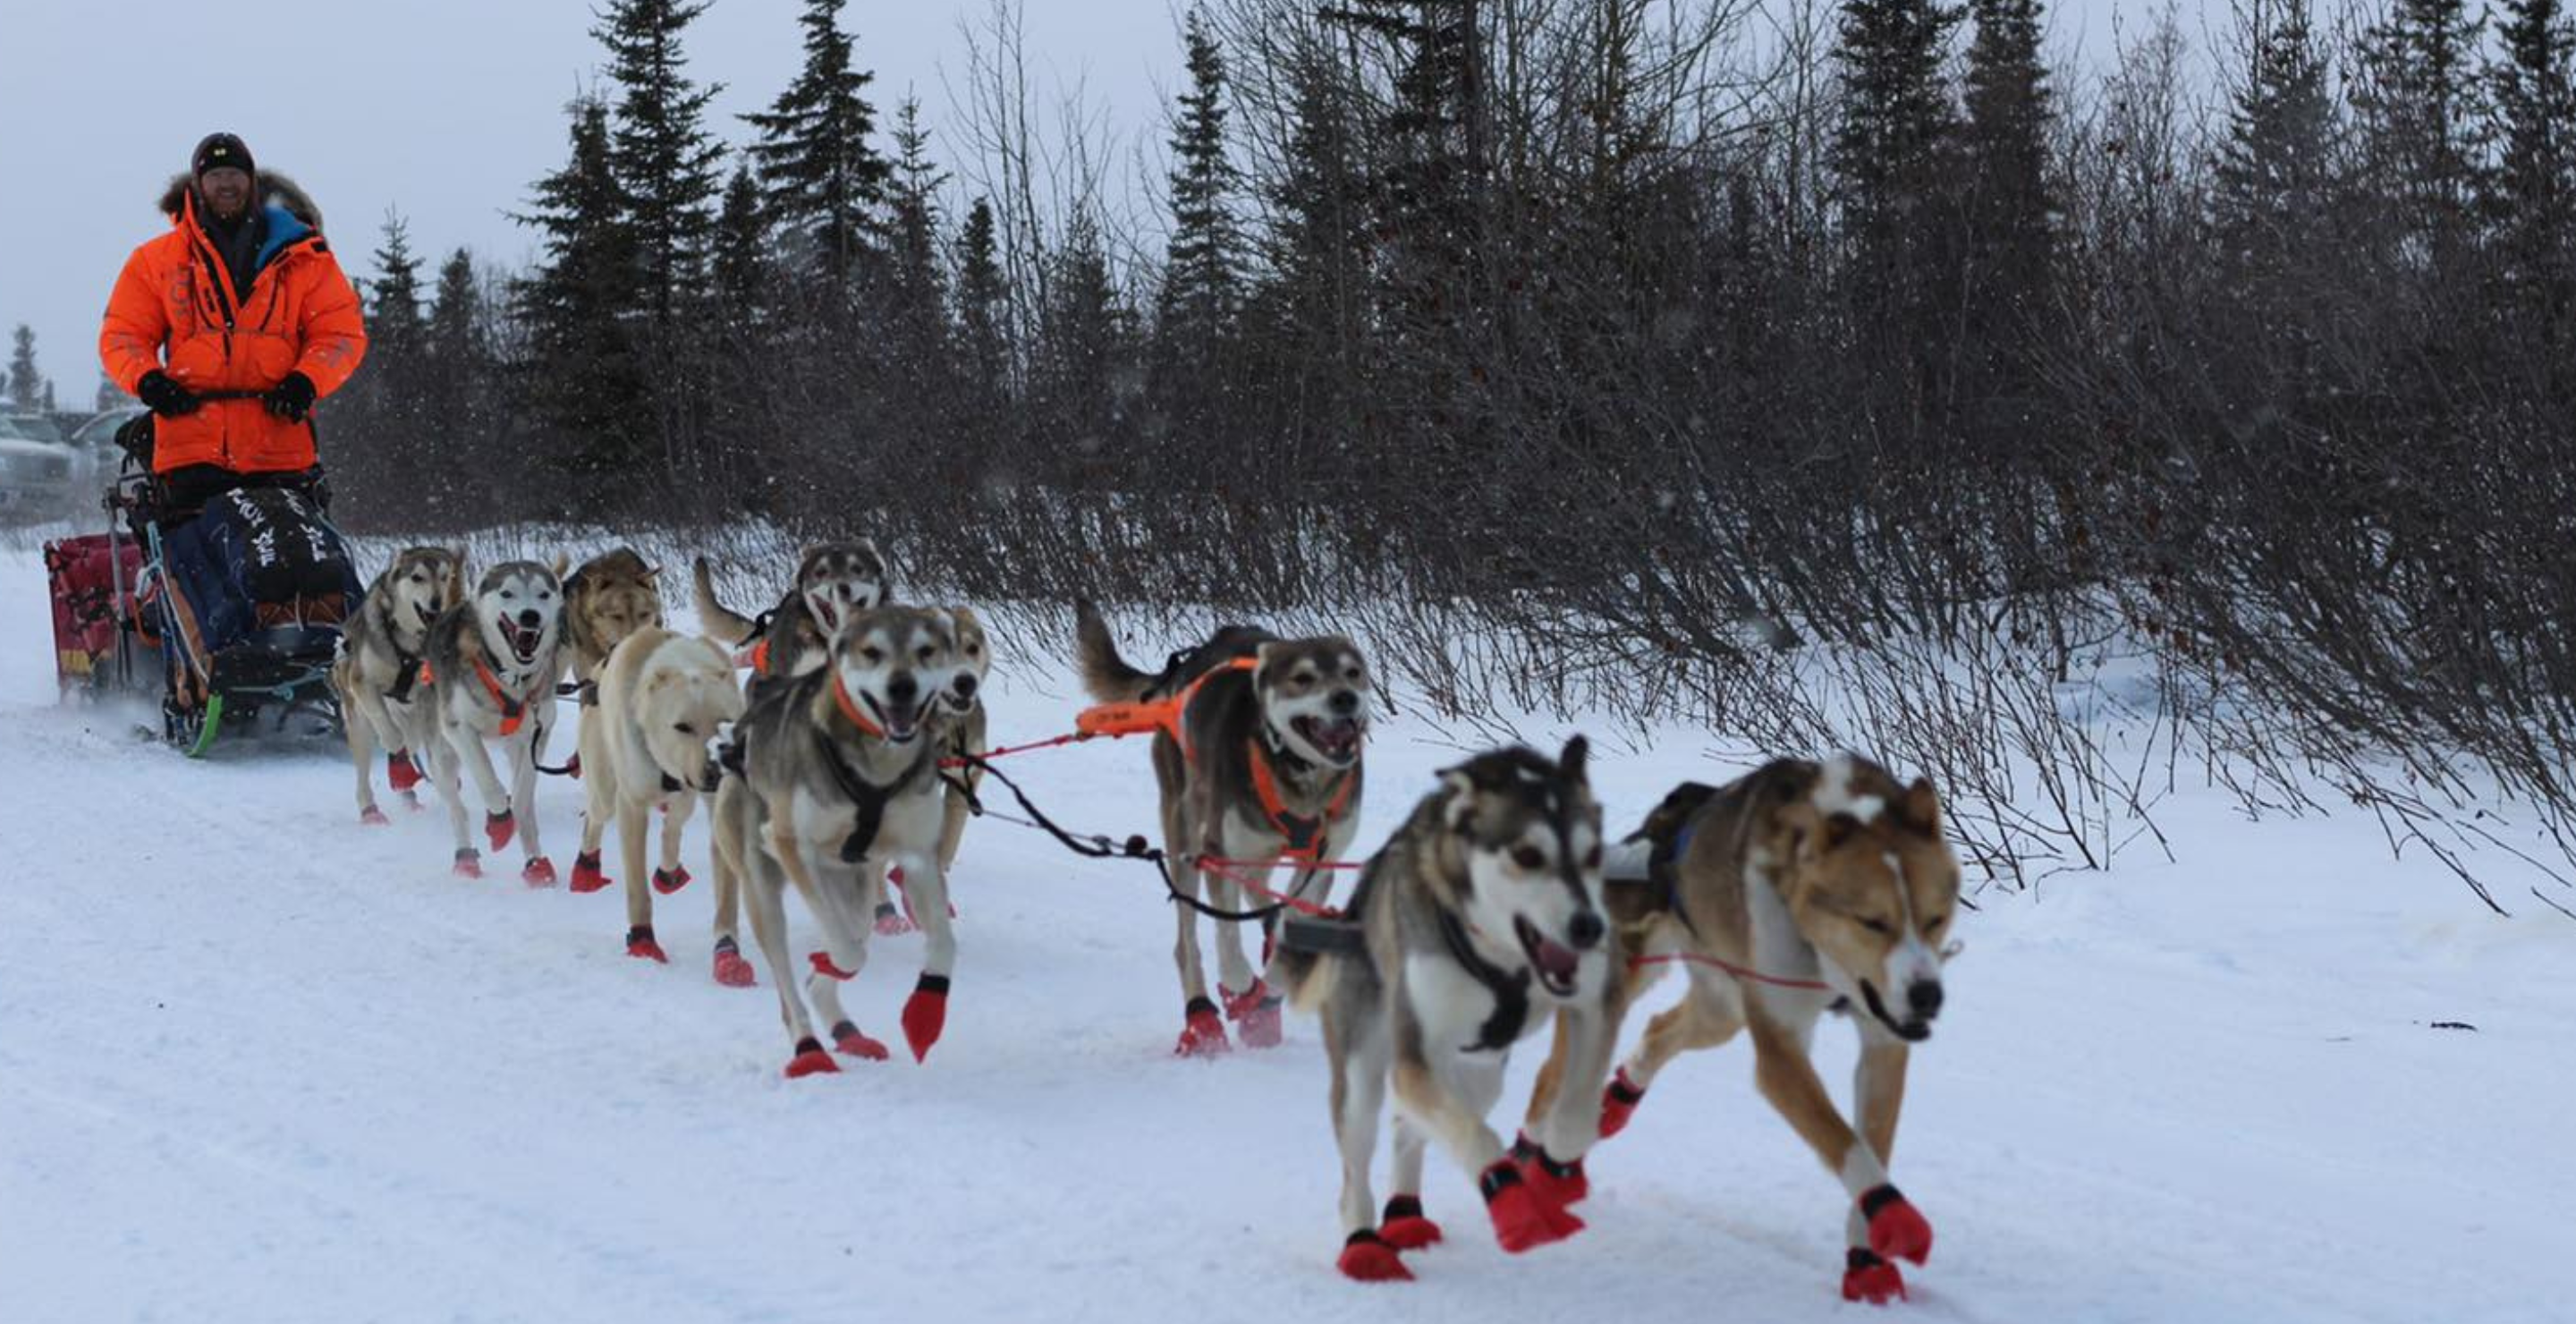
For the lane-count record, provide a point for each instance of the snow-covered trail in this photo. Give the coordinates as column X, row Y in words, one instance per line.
column 258, row 1063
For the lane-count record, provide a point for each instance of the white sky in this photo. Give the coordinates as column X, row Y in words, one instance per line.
column 446, row 109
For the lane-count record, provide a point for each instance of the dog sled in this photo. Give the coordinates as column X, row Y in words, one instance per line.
column 225, row 605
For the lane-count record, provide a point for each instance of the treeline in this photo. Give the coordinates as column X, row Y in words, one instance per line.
column 1767, row 364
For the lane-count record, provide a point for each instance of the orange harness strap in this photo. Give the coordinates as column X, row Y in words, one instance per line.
column 513, row 712
column 1146, row 716
column 1306, row 835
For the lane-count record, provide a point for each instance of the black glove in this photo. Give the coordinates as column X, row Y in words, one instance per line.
column 291, row 399
column 164, row 396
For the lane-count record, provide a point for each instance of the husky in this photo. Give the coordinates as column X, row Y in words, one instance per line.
column 1481, row 916
column 490, row 673
column 1257, row 758
column 967, row 732
column 661, row 699
column 831, row 777
column 834, row 581
column 1835, row 878
column 610, row 597
column 377, row 671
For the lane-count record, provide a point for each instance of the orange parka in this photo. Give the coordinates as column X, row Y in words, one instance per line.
column 174, row 308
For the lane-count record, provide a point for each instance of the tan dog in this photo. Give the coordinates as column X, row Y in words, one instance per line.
column 662, row 697
column 1799, row 889
column 967, row 732
column 610, row 597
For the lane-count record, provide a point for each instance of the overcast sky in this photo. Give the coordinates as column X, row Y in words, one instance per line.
column 446, row 109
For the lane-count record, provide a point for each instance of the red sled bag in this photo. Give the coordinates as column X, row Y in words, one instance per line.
column 87, row 608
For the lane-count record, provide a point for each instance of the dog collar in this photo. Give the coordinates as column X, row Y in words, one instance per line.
column 513, row 711
column 850, row 709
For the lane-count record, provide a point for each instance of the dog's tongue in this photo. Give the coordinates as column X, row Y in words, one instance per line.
column 1555, row 961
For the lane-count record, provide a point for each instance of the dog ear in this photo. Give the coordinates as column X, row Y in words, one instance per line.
column 1570, row 763
column 1261, row 663
column 563, row 562
column 1920, row 808
column 1459, row 813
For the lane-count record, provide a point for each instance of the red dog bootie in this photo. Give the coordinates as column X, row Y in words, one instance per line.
column 639, row 943
column 846, row 1037
column 586, row 875
column 1256, row 1010
column 925, row 1014
column 1619, row 1100
column 667, row 881
column 1897, row 1230
column 373, row 817
column 499, row 828
column 810, row 1059
column 1868, row 1278
column 731, row 970
column 1559, row 1184
column 539, row 872
column 1523, row 1220
column 400, row 772
column 469, row 864
column 1367, row 1258
column 1404, row 1227
column 1202, row 1034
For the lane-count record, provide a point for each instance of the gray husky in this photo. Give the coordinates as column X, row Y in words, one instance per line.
column 1257, row 754
column 490, row 672
column 1478, row 921
column 377, row 673
column 832, row 777
column 834, row 582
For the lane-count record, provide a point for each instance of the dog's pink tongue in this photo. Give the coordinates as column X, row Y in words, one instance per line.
column 1559, row 961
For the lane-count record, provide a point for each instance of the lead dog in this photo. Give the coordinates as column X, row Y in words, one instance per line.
column 833, row 777
column 1261, row 762
column 490, row 674
column 378, row 670
column 1479, row 917
column 1836, row 879
column 661, row 698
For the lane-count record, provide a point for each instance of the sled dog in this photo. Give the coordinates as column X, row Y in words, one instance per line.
column 490, row 674
column 661, row 699
column 610, row 597
column 834, row 581
column 1834, row 876
column 833, row 776
column 377, row 673
column 966, row 732
column 1479, row 918
column 1257, row 759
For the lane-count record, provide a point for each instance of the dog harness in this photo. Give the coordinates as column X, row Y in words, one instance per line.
column 513, row 711
column 1510, row 989
column 867, row 800
column 1146, row 716
column 1305, row 833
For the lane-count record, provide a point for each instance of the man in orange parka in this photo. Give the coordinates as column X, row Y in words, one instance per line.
column 230, row 326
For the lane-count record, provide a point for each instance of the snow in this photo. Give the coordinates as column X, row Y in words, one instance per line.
column 259, row 1063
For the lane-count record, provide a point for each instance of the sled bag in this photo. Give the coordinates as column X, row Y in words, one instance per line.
column 258, row 557
column 83, row 580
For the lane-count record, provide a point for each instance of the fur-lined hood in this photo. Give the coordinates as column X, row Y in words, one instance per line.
column 275, row 190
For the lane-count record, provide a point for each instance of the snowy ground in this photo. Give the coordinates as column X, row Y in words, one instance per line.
column 257, row 1063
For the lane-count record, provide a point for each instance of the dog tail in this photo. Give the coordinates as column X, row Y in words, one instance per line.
column 1105, row 674
column 715, row 618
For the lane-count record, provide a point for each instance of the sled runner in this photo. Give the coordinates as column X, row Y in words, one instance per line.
column 227, row 603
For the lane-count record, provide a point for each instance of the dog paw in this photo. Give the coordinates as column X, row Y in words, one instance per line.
column 1897, row 1230
column 925, row 1014
column 411, row 801
column 400, row 772
column 639, row 943
column 667, row 881
column 848, row 1040
column 1368, row 1258
column 469, row 864
column 892, row 923
column 810, row 1060
column 1560, row 1184
column 1404, row 1227
column 586, row 875
column 1256, row 1011
column 1523, row 1219
column 822, row 963
column 731, row 970
column 1619, row 1100
column 1202, row 1034
column 373, row 817
column 499, row 829
column 1868, row 1278
column 539, row 872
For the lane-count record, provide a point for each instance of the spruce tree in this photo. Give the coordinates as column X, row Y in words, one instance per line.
column 983, row 301
column 742, row 256
column 1893, row 144
column 916, row 295
column 826, row 184
column 1201, row 284
column 26, row 384
column 2420, row 122
column 2273, row 176
column 2532, row 193
column 2005, row 139
column 583, row 380
column 664, row 161
column 394, row 326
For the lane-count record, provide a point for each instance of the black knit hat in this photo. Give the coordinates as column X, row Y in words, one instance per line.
column 220, row 150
